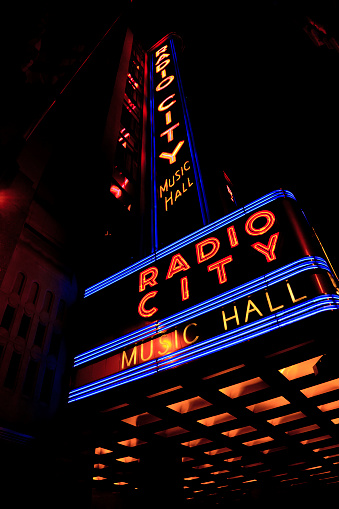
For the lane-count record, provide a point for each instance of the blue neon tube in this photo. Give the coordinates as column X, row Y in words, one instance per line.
column 280, row 274
column 193, row 237
column 262, row 326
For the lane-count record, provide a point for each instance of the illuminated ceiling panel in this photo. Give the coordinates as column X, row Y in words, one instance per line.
column 165, row 391
column 188, row 405
column 218, row 451
column 268, row 405
column 101, row 450
column 239, row 431
column 329, row 406
column 317, row 439
column 171, row 432
column 243, row 388
column 127, row 459
column 258, row 441
column 301, row 369
column 217, row 419
column 305, row 429
column 195, row 443
column 141, row 419
column 132, row 442
column 286, row 418
column 322, row 388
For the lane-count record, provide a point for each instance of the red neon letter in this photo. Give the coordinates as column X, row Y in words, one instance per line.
column 143, row 281
column 163, row 106
column 201, row 256
column 146, row 313
column 178, row 263
column 268, row 251
column 185, row 294
column 169, row 132
column 232, row 236
column 161, row 50
column 220, row 266
column 270, row 218
column 164, row 83
column 162, row 65
column 172, row 157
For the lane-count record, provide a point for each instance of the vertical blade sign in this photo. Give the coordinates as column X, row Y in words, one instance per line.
column 179, row 205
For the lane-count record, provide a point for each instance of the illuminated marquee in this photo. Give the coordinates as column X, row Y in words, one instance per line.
column 253, row 271
column 176, row 177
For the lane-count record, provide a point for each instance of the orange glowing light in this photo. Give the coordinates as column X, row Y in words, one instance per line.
column 195, row 443
column 301, row 369
column 205, row 465
column 258, row 441
column 218, row 451
column 286, row 418
column 169, row 132
column 329, row 386
column 188, row 405
column 127, row 459
column 217, row 419
column 101, row 450
column 243, row 388
column 172, row 157
column 268, row 405
column 317, row 439
column 333, row 405
column 239, row 431
column 141, row 419
column 164, row 105
column 115, row 190
column 100, row 466
column 171, row 432
column 171, row 389
column 132, row 442
column 99, row 478
column 304, row 429
column 164, row 83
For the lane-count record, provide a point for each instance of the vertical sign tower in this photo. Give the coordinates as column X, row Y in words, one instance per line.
column 178, row 199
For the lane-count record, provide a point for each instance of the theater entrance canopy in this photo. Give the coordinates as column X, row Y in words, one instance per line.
column 213, row 366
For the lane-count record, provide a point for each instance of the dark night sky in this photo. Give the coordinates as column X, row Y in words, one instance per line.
column 262, row 96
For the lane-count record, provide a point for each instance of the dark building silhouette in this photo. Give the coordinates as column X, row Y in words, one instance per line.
column 138, row 367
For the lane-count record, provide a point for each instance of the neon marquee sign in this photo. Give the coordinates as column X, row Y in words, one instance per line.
column 176, row 178
column 249, row 273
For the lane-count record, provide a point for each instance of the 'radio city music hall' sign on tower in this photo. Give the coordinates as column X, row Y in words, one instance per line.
column 207, row 286
column 179, row 202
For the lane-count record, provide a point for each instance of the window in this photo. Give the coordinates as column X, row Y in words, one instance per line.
column 48, row 302
column 19, row 283
column 34, row 292
column 40, row 334
column 13, row 370
column 24, row 326
column 7, row 318
column 31, row 378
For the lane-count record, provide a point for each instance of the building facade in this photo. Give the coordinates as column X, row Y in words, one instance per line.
column 160, row 345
